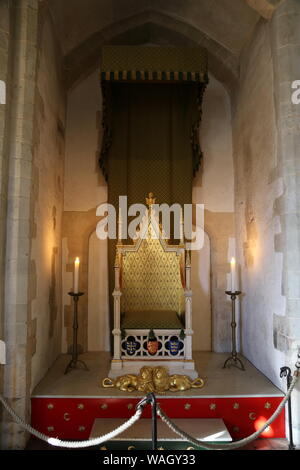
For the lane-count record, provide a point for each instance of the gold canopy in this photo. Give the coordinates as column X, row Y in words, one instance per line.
column 154, row 63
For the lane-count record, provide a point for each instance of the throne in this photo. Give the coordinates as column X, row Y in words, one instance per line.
column 152, row 302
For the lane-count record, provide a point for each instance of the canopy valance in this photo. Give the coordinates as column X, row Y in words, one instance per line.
column 154, row 64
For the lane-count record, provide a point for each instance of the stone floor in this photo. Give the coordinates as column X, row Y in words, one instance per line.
column 229, row 382
column 259, row 444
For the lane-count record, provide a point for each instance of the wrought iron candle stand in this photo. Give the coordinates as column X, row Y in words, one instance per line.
column 233, row 359
column 74, row 361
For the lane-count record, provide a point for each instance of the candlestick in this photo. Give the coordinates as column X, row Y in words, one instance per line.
column 76, row 275
column 236, row 362
column 75, row 361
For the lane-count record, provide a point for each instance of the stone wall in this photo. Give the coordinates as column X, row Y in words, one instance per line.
column 5, row 45
column 266, row 132
column 17, row 320
column 47, row 203
column 35, row 151
column 285, row 29
column 258, row 185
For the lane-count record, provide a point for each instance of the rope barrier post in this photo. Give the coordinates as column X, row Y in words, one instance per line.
column 154, row 421
column 150, row 399
column 286, row 372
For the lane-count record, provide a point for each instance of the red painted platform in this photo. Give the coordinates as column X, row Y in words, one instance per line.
column 70, row 415
column 73, row 418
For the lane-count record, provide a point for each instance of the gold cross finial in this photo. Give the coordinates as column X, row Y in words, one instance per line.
column 150, row 200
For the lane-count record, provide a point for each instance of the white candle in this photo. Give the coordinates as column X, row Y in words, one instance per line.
column 76, row 275
column 181, row 227
column 233, row 275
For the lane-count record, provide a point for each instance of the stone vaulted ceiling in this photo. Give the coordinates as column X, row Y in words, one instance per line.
column 222, row 26
column 228, row 22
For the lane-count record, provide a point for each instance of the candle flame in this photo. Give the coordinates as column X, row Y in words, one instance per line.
column 77, row 261
column 232, row 261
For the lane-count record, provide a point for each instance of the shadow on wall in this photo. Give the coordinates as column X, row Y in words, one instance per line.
column 201, row 287
column 98, row 301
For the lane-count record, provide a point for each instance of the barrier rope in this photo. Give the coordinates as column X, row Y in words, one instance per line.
column 75, row 444
column 242, row 442
column 139, row 410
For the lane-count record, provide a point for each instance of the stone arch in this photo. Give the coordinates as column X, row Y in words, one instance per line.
column 266, row 8
column 144, row 28
column 77, row 245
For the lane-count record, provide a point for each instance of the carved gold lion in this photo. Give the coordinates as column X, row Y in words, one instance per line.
column 152, row 379
column 174, row 383
column 130, row 382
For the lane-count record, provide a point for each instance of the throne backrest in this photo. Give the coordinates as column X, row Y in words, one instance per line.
column 152, row 275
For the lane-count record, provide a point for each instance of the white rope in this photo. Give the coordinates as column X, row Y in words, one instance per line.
column 232, row 445
column 73, row 444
